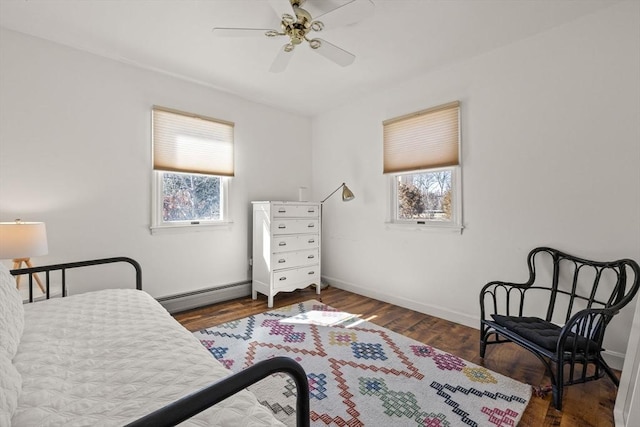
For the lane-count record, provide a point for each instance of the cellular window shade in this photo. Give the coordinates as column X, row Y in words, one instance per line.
column 423, row 140
column 189, row 143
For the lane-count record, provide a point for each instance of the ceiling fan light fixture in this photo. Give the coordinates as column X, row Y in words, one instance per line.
column 298, row 23
column 288, row 18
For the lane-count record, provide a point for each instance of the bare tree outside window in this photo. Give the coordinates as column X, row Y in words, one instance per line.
column 187, row 197
column 425, row 195
column 411, row 200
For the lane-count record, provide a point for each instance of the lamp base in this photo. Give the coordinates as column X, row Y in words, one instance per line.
column 17, row 264
column 323, row 285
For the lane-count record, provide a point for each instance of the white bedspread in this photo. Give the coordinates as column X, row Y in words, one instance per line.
column 109, row 357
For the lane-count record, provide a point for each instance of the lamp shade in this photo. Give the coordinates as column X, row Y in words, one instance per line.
column 347, row 194
column 22, row 239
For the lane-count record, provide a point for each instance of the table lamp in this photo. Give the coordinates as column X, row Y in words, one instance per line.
column 20, row 241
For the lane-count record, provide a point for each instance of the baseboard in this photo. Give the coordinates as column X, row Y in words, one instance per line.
column 203, row 297
column 613, row 358
column 443, row 313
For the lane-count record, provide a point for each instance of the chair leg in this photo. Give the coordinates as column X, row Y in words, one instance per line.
column 557, row 397
column 557, row 388
column 483, row 343
column 609, row 372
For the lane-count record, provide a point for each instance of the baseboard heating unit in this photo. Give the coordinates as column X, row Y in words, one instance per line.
column 189, row 300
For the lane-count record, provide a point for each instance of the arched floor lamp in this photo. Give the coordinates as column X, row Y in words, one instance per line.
column 347, row 196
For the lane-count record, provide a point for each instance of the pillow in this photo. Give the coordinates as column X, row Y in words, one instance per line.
column 11, row 313
column 10, row 388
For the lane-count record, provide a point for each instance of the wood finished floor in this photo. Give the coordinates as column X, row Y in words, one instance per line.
column 584, row 405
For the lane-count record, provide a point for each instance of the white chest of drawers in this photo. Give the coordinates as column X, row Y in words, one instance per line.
column 286, row 247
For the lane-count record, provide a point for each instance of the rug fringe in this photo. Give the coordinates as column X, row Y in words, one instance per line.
column 541, row 391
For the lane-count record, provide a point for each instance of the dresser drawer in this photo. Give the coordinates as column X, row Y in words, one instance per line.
column 296, row 276
column 294, row 259
column 294, row 226
column 296, row 211
column 294, row 243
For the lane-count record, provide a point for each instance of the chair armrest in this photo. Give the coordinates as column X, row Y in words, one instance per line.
column 585, row 330
column 497, row 297
column 192, row 404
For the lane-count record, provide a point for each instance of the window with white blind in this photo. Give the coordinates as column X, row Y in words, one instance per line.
column 422, row 160
column 192, row 165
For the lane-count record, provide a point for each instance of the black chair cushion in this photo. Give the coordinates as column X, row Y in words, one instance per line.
column 542, row 333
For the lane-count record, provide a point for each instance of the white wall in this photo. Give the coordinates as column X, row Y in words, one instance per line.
column 75, row 152
column 627, row 407
column 551, row 148
column 551, row 143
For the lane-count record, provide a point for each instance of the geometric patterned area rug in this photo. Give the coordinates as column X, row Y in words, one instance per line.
column 361, row 374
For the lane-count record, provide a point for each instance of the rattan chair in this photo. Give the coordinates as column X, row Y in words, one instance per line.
column 560, row 314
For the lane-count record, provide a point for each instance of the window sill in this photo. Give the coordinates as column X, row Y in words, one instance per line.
column 190, row 228
column 428, row 227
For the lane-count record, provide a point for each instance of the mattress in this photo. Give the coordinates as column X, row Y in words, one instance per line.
column 107, row 358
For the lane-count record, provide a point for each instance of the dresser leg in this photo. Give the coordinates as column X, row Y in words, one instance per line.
column 270, row 301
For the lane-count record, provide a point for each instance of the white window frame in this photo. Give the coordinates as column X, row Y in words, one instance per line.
column 392, row 218
column 158, row 224
column 454, row 225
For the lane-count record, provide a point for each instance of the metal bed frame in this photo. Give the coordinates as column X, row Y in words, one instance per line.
column 69, row 265
column 192, row 404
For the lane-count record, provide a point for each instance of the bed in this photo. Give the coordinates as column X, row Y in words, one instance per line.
column 116, row 357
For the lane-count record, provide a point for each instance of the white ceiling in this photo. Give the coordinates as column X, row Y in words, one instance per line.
column 403, row 38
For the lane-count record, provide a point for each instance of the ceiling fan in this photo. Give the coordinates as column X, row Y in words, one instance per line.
column 299, row 27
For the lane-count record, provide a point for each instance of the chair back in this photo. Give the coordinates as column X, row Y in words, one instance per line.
column 572, row 284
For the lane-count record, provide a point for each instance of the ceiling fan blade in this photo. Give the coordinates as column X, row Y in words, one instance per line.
column 282, row 59
column 334, row 53
column 281, row 6
column 240, row 32
column 348, row 13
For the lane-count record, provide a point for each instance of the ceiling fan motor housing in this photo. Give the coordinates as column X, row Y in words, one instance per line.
column 297, row 30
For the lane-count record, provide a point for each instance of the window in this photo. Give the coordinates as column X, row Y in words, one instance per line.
column 421, row 159
column 192, row 164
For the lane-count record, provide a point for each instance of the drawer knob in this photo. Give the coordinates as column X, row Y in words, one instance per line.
column 311, row 256
column 282, row 226
column 282, row 244
column 311, row 210
column 311, row 241
column 282, row 278
column 281, row 210
column 311, row 272
column 311, row 225
column 281, row 261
